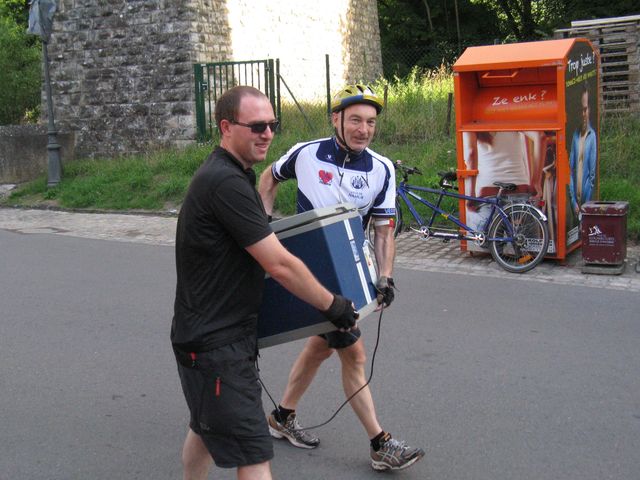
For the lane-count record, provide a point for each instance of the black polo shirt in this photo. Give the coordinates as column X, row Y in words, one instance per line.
column 219, row 285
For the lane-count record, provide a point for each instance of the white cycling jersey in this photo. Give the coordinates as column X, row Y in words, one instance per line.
column 327, row 175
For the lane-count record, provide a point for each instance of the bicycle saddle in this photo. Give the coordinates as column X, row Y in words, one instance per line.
column 505, row 186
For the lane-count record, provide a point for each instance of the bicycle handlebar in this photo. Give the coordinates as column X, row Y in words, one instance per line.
column 407, row 170
column 446, row 178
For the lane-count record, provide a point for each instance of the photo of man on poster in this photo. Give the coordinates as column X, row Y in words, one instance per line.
column 581, row 136
column 583, row 156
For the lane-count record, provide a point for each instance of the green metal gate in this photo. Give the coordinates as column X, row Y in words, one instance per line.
column 213, row 79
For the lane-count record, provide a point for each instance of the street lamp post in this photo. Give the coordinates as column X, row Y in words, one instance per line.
column 40, row 23
column 53, row 147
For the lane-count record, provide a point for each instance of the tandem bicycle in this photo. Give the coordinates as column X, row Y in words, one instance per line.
column 514, row 232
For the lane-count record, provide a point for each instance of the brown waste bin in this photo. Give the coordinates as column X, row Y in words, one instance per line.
column 603, row 230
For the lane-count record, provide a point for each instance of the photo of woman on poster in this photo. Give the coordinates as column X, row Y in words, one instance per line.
column 505, row 156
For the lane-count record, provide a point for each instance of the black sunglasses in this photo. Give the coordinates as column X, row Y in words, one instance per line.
column 259, row 127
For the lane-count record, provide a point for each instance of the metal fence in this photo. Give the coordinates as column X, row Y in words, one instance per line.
column 213, row 79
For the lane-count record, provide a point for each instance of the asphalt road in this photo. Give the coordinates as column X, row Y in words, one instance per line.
column 496, row 379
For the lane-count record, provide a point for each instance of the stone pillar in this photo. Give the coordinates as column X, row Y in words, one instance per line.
column 122, row 71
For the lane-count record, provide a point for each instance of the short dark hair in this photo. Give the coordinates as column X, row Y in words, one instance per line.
column 228, row 104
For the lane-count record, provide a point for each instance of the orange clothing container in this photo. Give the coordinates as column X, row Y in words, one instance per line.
column 527, row 113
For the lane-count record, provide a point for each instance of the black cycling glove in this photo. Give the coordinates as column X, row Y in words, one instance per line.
column 385, row 286
column 341, row 312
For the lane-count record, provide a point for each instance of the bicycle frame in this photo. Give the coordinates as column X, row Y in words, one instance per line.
column 404, row 191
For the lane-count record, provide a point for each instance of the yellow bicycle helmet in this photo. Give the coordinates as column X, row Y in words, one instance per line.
column 353, row 94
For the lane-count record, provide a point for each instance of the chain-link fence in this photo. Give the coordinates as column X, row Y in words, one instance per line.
column 398, row 62
column 305, row 88
column 418, row 101
column 419, row 106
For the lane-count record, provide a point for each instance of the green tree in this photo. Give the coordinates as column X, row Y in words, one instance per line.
column 428, row 33
column 521, row 20
column 517, row 17
column 16, row 10
column 20, row 74
column 425, row 33
column 587, row 10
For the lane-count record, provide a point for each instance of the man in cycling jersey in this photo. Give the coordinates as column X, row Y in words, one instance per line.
column 329, row 171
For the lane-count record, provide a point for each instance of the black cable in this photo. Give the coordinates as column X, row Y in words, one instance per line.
column 373, row 359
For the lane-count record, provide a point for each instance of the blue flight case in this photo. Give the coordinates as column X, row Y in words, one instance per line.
column 331, row 242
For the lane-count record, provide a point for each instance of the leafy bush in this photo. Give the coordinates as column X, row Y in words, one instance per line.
column 20, row 74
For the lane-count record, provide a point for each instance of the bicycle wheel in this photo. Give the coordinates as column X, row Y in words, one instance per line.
column 529, row 238
column 397, row 226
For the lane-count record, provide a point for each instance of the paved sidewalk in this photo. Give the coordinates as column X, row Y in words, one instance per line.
column 437, row 256
column 149, row 229
column 412, row 252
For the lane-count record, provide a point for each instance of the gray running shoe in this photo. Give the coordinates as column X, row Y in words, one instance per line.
column 292, row 431
column 395, row 455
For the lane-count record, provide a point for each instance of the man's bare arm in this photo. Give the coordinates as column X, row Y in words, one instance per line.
column 268, row 189
column 384, row 246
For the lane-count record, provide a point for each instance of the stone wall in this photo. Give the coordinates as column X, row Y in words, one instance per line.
column 122, row 71
column 23, row 151
column 362, row 52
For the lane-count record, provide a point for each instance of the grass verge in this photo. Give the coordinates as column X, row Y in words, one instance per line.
column 413, row 129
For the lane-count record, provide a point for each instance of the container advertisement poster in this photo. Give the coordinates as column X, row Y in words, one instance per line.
column 526, row 158
column 582, row 142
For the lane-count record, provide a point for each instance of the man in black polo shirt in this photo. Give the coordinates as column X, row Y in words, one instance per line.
column 224, row 245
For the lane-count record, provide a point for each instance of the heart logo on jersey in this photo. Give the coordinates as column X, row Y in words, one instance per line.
column 325, row 177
